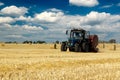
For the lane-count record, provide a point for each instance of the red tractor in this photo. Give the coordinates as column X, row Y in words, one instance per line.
column 80, row 41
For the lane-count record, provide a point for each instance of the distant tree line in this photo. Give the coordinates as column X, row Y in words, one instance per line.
column 57, row 42
column 10, row 42
column 33, row 42
column 112, row 41
column 26, row 42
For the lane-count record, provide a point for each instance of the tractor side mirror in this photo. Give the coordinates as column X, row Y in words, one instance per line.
column 66, row 32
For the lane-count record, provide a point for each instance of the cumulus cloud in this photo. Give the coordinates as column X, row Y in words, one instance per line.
column 23, row 18
column 54, row 22
column 1, row 4
column 91, row 19
column 97, row 23
column 27, row 27
column 94, row 18
column 49, row 16
column 86, row 3
column 20, row 33
column 6, row 20
column 14, row 11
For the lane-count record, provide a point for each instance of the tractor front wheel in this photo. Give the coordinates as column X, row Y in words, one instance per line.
column 77, row 47
column 63, row 47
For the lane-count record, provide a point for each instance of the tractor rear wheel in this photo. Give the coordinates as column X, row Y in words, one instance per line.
column 85, row 47
column 63, row 47
column 77, row 48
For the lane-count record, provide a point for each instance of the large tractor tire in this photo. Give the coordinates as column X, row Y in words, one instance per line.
column 63, row 47
column 77, row 48
column 71, row 49
column 86, row 47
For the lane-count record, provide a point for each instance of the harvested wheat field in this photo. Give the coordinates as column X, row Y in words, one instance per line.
column 42, row 62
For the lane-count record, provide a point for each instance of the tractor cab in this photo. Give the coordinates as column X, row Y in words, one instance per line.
column 77, row 36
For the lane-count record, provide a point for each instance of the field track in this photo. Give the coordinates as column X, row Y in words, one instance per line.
column 42, row 62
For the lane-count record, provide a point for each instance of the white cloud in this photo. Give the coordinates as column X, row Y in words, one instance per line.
column 86, row 3
column 94, row 18
column 107, row 6
column 54, row 10
column 14, row 11
column 20, row 33
column 6, row 20
column 92, row 21
column 97, row 23
column 27, row 27
column 1, row 4
column 49, row 16
column 23, row 18
column 54, row 22
column 5, row 27
column 14, row 36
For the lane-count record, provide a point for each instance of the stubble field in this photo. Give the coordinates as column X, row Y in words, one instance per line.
column 42, row 62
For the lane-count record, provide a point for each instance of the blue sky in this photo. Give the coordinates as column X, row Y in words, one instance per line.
column 49, row 19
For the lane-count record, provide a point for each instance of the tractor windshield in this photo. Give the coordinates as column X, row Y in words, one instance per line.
column 76, row 35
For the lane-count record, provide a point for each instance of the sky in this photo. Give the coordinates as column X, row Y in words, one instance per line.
column 48, row 20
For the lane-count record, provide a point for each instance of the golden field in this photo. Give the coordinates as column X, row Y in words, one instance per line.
column 42, row 62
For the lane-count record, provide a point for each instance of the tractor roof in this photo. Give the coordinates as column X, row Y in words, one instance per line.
column 74, row 30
